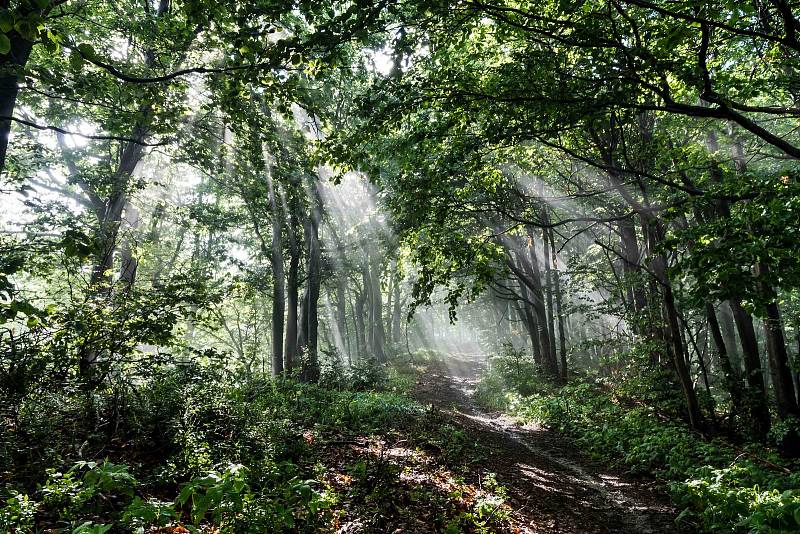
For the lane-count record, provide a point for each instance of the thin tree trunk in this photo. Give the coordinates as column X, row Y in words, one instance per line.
column 361, row 345
column 779, row 361
column 369, row 294
column 796, row 373
column 525, row 314
column 732, row 382
column 728, row 329
column 562, row 337
column 309, row 321
column 278, row 280
column 129, row 264
column 379, row 335
column 548, row 291
column 756, row 393
column 396, row 306
column 341, row 312
column 161, row 268
column 290, row 348
column 655, row 233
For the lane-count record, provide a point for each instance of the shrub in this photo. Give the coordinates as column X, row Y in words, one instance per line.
column 719, row 488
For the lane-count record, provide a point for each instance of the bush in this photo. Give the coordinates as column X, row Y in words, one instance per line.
column 512, row 374
column 188, row 446
column 719, row 488
column 18, row 513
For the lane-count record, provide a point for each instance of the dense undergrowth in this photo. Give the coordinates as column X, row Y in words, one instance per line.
column 719, row 486
column 193, row 449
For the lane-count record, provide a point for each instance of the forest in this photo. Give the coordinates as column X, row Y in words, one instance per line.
column 513, row 266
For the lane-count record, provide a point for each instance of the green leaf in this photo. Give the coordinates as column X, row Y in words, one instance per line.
column 26, row 29
column 200, row 505
column 6, row 21
column 75, row 60
column 5, row 44
column 185, row 493
column 87, row 51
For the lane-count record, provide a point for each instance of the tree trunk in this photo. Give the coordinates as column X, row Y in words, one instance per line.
column 732, row 382
column 630, row 266
column 369, row 294
column 278, row 281
column 12, row 66
column 728, row 329
column 379, row 335
column 341, row 314
column 165, row 268
column 528, row 273
column 396, row 307
column 526, row 316
column 548, row 291
column 562, row 337
column 796, row 373
column 290, row 348
column 309, row 321
column 361, row 345
column 756, row 393
column 128, row 261
column 655, row 232
column 779, row 363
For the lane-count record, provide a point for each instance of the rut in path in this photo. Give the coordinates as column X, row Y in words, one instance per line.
column 551, row 486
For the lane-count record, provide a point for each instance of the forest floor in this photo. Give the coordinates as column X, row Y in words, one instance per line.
column 550, row 486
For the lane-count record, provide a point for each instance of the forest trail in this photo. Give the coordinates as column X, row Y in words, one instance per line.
column 551, row 486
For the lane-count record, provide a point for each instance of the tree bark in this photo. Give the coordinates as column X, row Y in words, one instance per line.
column 562, row 337
column 12, row 66
column 278, row 281
column 376, row 314
column 129, row 264
column 309, row 320
column 292, row 285
column 361, row 344
column 529, row 274
column 677, row 351
column 396, row 306
column 756, row 392
column 780, row 369
column 548, row 291
column 631, row 257
column 728, row 329
column 732, row 382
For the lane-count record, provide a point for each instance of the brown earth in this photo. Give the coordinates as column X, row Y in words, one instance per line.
column 551, row 486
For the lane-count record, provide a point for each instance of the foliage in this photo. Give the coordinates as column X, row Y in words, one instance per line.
column 719, row 487
column 197, row 449
column 18, row 513
column 512, row 373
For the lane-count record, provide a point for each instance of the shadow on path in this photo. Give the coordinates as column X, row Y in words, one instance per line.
column 552, row 487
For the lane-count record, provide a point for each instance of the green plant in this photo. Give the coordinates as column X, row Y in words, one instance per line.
column 92, row 528
column 65, row 494
column 18, row 513
column 717, row 487
column 220, row 493
column 145, row 513
column 107, row 477
column 88, row 487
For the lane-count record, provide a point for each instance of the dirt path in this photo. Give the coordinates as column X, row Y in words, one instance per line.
column 551, row 486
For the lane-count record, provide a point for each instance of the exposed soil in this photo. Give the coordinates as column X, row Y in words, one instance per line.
column 552, row 487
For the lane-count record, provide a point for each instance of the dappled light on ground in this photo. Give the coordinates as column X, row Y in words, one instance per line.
column 556, row 488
